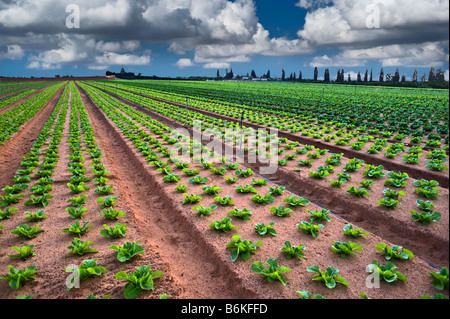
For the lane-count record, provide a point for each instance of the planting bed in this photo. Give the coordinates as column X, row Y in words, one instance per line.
column 92, row 128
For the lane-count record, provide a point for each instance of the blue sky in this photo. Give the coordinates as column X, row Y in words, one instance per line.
column 198, row 37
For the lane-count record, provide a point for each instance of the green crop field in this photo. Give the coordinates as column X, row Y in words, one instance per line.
column 250, row 190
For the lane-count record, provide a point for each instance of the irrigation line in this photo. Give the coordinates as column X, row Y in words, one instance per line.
column 430, row 264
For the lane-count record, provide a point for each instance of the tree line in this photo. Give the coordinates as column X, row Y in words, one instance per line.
column 435, row 78
column 433, row 75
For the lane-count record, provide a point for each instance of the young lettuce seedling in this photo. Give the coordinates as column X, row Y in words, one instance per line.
column 281, row 211
column 296, row 201
column 141, row 279
column 78, row 201
column 274, row 272
column 76, row 229
column 425, row 218
column 10, row 199
column 223, row 226
column 394, row 252
column 86, row 269
column 17, row 277
column 128, row 250
column 277, row 190
column 246, row 189
column 244, row 213
column 224, row 201
column 80, row 247
column 111, row 213
column 329, row 276
column 204, row 211
column 119, row 230
column 25, row 252
column 211, row 190
column 35, row 216
column 264, row 200
column 354, row 233
column 243, row 248
column 4, row 214
column 386, row 272
column 441, row 279
column 108, row 201
column 27, row 232
column 310, row 228
column 293, row 251
column 191, row 199
column 345, row 249
column 265, row 230
column 319, row 215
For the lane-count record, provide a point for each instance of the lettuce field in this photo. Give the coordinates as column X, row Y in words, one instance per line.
column 152, row 189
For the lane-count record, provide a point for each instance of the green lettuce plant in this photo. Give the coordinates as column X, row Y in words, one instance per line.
column 191, row 199
column 224, row 201
column 293, row 251
column 263, row 200
column 107, row 201
column 5, row 214
column 86, row 269
column 265, row 230
column 310, row 228
column 80, row 247
column 387, row 273
column 128, row 250
column 329, row 277
column 441, row 278
column 24, row 252
column 273, row 272
column 119, row 230
column 27, row 232
column 296, row 201
column 141, row 279
column 17, row 276
column 394, row 252
column 223, row 226
column 76, row 212
column 243, row 248
column 281, row 211
column 354, row 233
column 344, row 249
column 204, row 211
column 77, row 229
column 35, row 216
